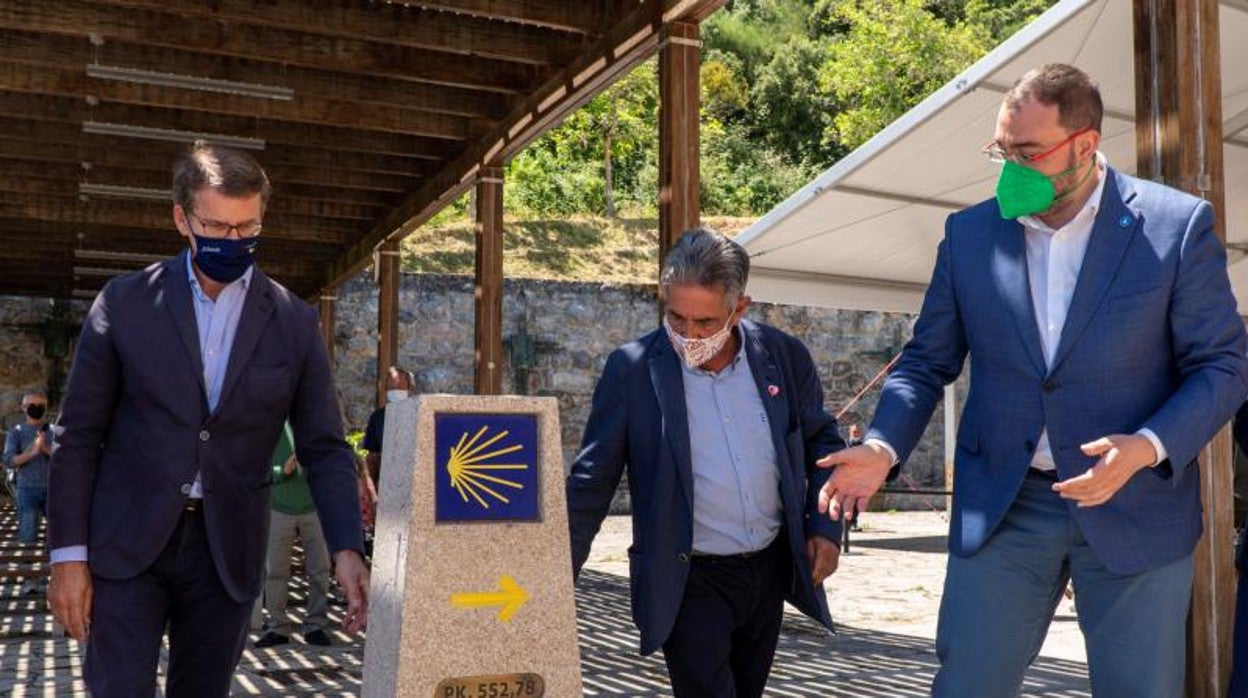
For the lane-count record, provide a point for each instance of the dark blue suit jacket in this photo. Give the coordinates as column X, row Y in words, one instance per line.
column 638, row 422
column 1151, row 340
column 135, row 429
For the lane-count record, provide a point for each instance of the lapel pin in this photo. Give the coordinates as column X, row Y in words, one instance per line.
column 1125, row 220
column 773, row 390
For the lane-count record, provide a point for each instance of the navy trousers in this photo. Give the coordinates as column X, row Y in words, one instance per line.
column 180, row 592
column 725, row 635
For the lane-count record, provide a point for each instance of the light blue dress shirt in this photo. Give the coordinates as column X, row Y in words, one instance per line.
column 217, row 322
column 736, row 482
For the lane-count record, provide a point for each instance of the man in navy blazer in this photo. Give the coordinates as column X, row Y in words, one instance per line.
column 183, row 376
column 718, row 422
column 1105, row 351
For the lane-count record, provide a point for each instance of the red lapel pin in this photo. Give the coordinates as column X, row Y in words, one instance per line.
column 773, row 390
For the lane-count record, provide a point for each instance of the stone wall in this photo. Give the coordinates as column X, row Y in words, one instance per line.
column 572, row 327
column 567, row 328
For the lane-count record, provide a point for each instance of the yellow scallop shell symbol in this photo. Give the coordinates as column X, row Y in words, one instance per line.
column 470, row 466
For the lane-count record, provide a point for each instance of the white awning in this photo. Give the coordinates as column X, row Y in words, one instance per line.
column 863, row 234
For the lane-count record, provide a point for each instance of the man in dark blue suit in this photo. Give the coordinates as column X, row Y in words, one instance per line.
column 718, row 421
column 1105, row 351
column 159, row 497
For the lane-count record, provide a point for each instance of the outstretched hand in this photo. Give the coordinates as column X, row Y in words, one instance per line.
column 858, row 473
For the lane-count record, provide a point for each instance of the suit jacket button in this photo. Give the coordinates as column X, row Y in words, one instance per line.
column 683, row 557
column 186, row 489
column 1048, row 386
column 203, row 435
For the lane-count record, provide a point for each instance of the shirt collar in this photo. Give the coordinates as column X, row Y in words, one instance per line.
column 245, row 279
column 1090, row 207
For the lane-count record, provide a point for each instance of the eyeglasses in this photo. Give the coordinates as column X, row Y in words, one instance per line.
column 997, row 154
column 219, row 229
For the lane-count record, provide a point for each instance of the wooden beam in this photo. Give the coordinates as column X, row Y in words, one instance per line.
column 488, row 344
column 630, row 41
column 1179, row 142
column 388, row 280
column 68, row 174
column 582, row 16
column 320, row 109
column 30, row 47
column 159, row 216
column 414, row 27
column 70, row 144
column 326, row 307
column 37, row 183
column 80, row 18
column 679, row 63
column 67, row 109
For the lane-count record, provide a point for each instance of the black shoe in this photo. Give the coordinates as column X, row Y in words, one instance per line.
column 271, row 639
column 317, row 637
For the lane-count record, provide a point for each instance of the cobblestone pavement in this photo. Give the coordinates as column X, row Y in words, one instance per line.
column 884, row 598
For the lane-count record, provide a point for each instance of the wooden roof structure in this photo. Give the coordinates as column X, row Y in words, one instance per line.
column 369, row 115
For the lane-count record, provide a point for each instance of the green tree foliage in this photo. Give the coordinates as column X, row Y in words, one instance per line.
column 788, row 87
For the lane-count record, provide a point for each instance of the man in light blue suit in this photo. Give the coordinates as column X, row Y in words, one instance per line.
column 1105, row 351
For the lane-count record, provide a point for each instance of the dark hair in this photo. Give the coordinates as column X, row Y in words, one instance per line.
column 229, row 171
column 1077, row 98
column 707, row 258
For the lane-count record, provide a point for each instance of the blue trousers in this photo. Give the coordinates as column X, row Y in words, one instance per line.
column 998, row 604
column 32, row 506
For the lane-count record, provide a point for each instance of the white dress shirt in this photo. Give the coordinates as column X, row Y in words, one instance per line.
column 1054, row 258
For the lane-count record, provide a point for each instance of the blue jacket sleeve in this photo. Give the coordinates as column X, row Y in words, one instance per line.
column 820, row 436
column 600, row 464
column 1208, row 342
column 86, row 418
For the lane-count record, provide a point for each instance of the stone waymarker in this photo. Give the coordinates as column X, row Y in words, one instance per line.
column 472, row 578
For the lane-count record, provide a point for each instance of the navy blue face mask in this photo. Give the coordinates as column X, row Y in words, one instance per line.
column 224, row 260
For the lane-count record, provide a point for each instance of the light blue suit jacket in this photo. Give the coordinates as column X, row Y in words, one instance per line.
column 1152, row 339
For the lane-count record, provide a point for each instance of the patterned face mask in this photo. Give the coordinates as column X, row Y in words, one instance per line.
column 696, row 352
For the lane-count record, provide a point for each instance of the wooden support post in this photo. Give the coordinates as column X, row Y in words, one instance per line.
column 327, row 302
column 679, row 100
column 387, row 264
column 1178, row 135
column 487, row 358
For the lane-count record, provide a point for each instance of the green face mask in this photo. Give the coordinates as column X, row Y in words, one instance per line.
column 1022, row 191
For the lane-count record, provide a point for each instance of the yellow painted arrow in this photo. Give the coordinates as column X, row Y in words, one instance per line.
column 509, row 598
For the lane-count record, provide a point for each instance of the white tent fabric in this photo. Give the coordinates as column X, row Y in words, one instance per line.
column 863, row 234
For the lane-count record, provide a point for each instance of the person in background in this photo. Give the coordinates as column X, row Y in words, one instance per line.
column 400, row 385
column 294, row 515
column 27, row 449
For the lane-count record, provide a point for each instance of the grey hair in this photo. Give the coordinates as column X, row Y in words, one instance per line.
column 707, row 258
column 34, row 392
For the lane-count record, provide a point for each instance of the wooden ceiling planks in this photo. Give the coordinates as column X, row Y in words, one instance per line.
column 394, row 105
